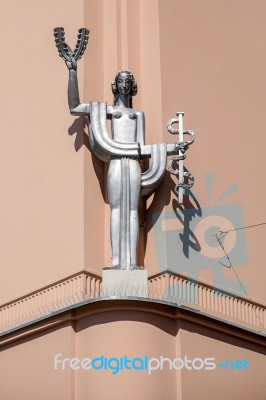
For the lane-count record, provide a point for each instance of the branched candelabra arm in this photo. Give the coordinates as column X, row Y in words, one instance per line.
column 64, row 50
column 181, row 147
column 71, row 57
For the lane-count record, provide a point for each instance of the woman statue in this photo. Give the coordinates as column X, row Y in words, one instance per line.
column 123, row 151
column 124, row 173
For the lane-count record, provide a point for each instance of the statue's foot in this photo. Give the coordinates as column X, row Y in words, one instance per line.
column 135, row 267
column 113, row 267
column 118, row 267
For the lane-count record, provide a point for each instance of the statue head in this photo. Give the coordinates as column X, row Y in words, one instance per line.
column 124, row 84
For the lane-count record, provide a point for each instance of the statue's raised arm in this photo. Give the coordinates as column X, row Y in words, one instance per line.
column 102, row 145
column 71, row 57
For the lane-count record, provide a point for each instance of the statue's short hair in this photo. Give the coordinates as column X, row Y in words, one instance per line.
column 134, row 86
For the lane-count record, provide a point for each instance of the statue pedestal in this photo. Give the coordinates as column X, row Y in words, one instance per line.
column 123, row 283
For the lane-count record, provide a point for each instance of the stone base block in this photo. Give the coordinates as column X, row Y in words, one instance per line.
column 121, row 283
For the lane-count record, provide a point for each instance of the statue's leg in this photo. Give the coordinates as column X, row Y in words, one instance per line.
column 114, row 193
column 135, row 186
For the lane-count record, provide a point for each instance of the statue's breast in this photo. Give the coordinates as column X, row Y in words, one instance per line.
column 124, row 126
column 117, row 114
column 132, row 115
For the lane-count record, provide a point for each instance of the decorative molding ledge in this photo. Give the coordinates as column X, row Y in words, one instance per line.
column 166, row 287
column 69, row 291
column 177, row 288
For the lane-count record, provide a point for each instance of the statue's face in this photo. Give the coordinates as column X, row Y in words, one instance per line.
column 123, row 83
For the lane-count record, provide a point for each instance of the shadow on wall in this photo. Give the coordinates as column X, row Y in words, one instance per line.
column 184, row 213
column 79, row 127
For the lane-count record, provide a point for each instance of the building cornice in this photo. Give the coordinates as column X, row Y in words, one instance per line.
column 167, row 287
column 108, row 306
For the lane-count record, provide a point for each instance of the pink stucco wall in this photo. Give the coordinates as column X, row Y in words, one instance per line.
column 206, row 58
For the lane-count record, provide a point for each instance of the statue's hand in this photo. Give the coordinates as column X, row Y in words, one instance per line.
column 71, row 64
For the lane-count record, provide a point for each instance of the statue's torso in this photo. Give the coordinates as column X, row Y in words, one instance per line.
column 124, row 124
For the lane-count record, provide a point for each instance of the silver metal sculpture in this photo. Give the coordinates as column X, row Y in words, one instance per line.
column 182, row 147
column 123, row 150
